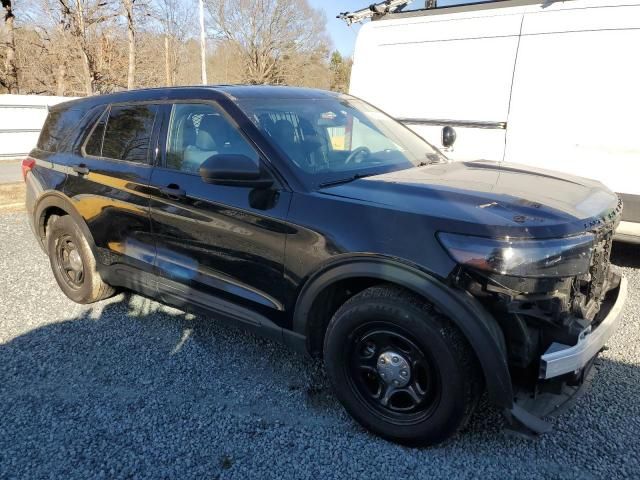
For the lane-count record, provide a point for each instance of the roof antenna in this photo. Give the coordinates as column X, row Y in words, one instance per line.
column 375, row 10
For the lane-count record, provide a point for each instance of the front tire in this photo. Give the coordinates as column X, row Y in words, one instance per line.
column 73, row 263
column 401, row 369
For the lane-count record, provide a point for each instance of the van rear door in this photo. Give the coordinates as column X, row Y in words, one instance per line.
column 451, row 66
column 575, row 99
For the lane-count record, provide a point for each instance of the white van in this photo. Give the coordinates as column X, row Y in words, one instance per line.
column 555, row 84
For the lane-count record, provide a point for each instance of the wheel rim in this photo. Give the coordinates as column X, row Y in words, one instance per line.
column 394, row 377
column 69, row 262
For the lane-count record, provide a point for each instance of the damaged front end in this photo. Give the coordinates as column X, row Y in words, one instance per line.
column 557, row 302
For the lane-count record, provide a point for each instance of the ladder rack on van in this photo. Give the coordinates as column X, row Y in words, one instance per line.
column 395, row 8
column 374, row 10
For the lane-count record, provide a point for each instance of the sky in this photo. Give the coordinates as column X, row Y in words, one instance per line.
column 343, row 37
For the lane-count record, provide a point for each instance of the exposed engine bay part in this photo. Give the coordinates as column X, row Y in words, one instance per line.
column 554, row 328
column 535, row 313
column 561, row 359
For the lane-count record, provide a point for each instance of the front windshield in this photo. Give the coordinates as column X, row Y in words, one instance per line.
column 335, row 139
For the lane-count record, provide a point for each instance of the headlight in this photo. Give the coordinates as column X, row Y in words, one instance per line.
column 561, row 257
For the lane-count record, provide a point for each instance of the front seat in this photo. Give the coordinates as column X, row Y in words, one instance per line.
column 211, row 126
column 285, row 135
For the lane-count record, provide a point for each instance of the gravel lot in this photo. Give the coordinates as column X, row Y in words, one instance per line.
column 130, row 388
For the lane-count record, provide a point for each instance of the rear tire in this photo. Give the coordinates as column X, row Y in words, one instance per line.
column 73, row 263
column 431, row 382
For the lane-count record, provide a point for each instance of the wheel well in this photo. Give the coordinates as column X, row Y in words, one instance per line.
column 44, row 219
column 326, row 304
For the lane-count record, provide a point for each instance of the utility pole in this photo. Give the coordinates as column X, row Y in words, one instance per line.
column 203, row 44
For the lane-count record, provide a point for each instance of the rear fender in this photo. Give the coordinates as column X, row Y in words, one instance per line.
column 57, row 200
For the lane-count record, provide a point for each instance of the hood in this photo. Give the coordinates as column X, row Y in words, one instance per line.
column 501, row 198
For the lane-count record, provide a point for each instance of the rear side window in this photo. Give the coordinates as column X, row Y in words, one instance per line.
column 127, row 134
column 57, row 128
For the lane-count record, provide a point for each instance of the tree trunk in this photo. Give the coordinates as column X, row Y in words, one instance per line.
column 60, row 79
column 203, row 45
column 10, row 62
column 88, row 74
column 167, row 66
column 131, row 36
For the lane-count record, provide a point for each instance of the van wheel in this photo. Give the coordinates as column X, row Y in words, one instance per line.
column 401, row 369
column 73, row 263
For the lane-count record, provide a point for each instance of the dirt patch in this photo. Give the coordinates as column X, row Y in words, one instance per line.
column 12, row 197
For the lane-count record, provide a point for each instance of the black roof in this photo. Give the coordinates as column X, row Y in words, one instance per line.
column 233, row 92
column 272, row 91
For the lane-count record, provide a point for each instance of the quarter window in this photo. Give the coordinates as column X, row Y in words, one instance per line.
column 57, row 127
column 127, row 135
column 199, row 131
column 94, row 143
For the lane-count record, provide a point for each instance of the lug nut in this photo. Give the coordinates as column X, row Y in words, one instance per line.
column 395, row 360
column 403, row 373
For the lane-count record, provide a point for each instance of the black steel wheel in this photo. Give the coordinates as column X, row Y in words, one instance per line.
column 72, row 262
column 392, row 373
column 399, row 368
column 69, row 262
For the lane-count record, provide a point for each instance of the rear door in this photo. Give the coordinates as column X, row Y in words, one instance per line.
column 218, row 246
column 107, row 182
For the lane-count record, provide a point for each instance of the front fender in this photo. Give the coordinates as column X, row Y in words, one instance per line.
column 479, row 327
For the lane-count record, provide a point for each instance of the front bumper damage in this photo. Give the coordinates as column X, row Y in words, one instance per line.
column 567, row 369
column 560, row 359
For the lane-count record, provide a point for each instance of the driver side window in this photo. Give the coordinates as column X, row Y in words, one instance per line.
column 199, row 131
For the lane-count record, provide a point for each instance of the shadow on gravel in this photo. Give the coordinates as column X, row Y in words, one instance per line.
column 130, row 382
column 131, row 388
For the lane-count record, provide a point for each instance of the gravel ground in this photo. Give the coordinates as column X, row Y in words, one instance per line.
column 130, row 388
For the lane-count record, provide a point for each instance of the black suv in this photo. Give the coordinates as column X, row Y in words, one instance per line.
column 318, row 220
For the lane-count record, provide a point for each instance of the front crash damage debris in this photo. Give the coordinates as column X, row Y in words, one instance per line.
column 572, row 364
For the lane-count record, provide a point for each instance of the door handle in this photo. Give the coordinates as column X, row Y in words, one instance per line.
column 173, row 191
column 81, row 169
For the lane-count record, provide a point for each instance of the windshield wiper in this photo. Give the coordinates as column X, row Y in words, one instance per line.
column 340, row 181
column 432, row 159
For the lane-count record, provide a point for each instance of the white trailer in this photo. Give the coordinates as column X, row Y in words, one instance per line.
column 553, row 84
column 21, row 118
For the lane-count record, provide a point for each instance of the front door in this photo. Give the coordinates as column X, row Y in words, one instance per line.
column 216, row 245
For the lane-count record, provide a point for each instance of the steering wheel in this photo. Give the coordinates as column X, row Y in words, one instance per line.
column 358, row 151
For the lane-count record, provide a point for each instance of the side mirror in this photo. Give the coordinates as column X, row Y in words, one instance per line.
column 448, row 136
column 234, row 170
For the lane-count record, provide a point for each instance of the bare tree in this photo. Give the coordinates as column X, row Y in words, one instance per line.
column 82, row 18
column 80, row 47
column 9, row 79
column 127, row 6
column 266, row 33
column 177, row 20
